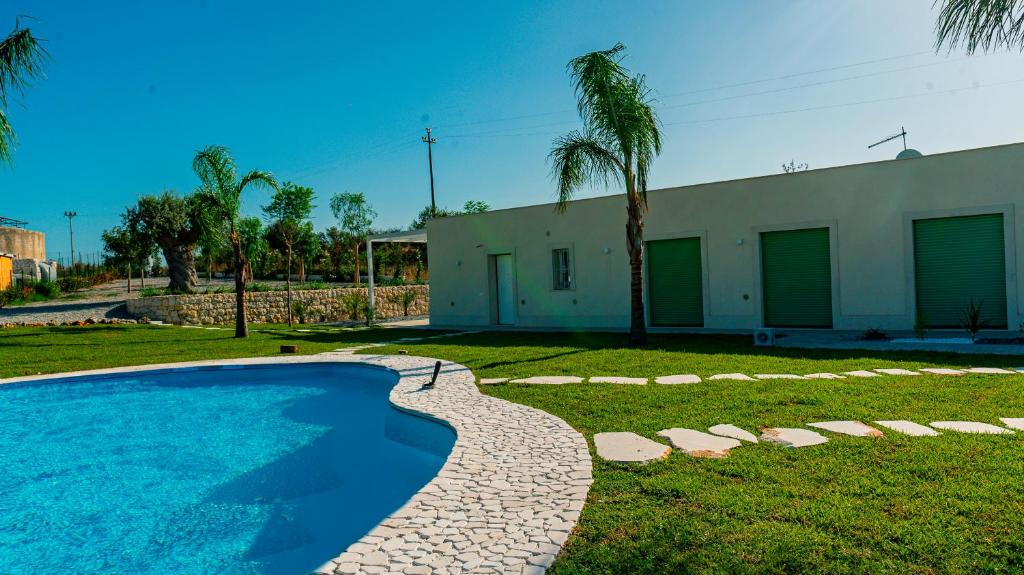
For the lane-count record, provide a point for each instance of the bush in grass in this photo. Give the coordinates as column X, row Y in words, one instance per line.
column 300, row 309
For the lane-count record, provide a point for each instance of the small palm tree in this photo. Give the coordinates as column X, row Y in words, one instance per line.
column 619, row 141
column 221, row 189
column 985, row 24
column 21, row 60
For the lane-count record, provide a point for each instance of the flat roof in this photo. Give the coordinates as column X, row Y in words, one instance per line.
column 411, row 237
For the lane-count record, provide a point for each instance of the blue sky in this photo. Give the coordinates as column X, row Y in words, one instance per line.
column 336, row 95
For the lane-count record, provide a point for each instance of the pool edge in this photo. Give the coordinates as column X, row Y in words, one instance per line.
column 505, row 500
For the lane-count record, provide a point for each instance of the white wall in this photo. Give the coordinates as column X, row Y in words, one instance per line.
column 868, row 207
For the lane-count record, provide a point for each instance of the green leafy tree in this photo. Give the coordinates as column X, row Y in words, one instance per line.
column 984, row 24
column 221, row 191
column 618, row 143
column 124, row 247
column 254, row 244
column 355, row 216
column 308, row 248
column 21, row 61
column 174, row 223
column 335, row 244
column 427, row 214
column 288, row 212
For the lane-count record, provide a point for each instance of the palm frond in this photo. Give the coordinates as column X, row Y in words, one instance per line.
column 21, row 60
column 218, row 177
column 7, row 138
column 578, row 158
column 984, row 24
column 258, row 179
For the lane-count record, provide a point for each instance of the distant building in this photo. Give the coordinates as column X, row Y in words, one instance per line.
column 893, row 244
column 26, row 251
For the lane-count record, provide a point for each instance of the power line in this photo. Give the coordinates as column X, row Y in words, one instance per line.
column 506, row 131
column 847, row 104
column 702, row 90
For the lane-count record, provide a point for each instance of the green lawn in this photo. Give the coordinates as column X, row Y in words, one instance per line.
column 950, row 504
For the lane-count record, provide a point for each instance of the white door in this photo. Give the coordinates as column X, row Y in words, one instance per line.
column 504, row 282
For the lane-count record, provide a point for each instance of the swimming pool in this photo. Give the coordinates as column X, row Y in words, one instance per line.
column 231, row 469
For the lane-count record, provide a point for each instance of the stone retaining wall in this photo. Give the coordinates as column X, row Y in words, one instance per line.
column 272, row 307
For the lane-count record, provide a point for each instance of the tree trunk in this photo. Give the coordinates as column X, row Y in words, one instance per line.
column 181, row 267
column 241, row 325
column 288, row 282
column 142, row 275
column 302, row 270
column 635, row 248
column 357, row 264
column 129, row 277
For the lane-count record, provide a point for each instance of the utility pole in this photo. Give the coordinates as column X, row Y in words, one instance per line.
column 430, row 158
column 71, row 227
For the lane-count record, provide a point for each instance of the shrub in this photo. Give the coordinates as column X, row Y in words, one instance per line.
column 370, row 312
column 46, row 288
column 355, row 303
column 258, row 287
column 971, row 320
column 311, row 285
column 875, row 334
column 300, row 309
column 405, row 299
column 152, row 292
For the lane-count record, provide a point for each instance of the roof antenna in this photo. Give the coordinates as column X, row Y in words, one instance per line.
column 907, row 152
column 902, row 134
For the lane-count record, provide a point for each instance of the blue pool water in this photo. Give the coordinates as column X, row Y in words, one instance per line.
column 258, row 469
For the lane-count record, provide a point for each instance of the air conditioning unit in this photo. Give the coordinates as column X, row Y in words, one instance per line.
column 764, row 336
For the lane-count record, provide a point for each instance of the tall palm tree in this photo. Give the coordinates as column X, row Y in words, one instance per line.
column 21, row 60
column 221, row 189
column 985, row 24
column 618, row 142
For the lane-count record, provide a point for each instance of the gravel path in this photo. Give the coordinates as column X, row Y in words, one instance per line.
column 70, row 311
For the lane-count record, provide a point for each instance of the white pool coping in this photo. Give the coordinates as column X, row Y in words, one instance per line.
column 505, row 500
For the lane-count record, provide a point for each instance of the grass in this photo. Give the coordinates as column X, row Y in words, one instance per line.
column 949, row 504
column 38, row 350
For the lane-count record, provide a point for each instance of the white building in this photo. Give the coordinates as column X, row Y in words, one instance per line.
column 882, row 244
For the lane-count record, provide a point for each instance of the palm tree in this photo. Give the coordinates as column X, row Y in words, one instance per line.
column 985, row 24
column 221, row 189
column 21, row 60
column 619, row 141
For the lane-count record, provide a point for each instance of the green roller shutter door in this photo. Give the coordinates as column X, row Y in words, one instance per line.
column 957, row 260
column 675, row 283
column 796, row 277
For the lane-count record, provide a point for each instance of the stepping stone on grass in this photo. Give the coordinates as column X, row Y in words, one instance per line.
column 909, row 428
column 970, row 427
column 620, row 380
column 897, row 371
column 854, row 428
column 628, row 447
column 862, row 373
column 729, row 430
column 1013, row 422
column 824, row 376
column 792, row 437
column 676, row 379
column 549, row 380
column 493, row 380
column 777, row 376
column 733, row 376
column 698, row 443
column 942, row 371
column 989, row 370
